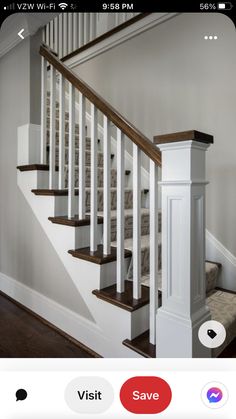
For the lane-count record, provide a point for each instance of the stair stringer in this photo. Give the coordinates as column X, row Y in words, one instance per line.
column 111, row 324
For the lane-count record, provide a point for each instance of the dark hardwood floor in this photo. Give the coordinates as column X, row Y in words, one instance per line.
column 23, row 334
column 26, row 335
column 230, row 351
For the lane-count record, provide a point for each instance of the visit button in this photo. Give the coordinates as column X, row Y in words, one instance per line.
column 145, row 395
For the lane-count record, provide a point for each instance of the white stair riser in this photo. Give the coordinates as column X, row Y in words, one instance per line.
column 75, row 237
column 86, row 277
column 28, row 144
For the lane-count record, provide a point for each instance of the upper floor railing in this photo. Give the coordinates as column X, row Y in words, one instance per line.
column 69, row 32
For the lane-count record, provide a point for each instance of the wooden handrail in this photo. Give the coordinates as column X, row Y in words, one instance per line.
column 120, row 121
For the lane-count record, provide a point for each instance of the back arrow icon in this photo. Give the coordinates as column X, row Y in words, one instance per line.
column 20, row 34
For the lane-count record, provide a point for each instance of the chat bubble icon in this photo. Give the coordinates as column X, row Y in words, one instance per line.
column 214, row 395
column 21, row 394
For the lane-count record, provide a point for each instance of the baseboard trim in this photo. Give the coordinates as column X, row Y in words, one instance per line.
column 215, row 250
column 66, row 321
column 56, row 329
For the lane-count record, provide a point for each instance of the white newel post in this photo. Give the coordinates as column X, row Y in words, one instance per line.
column 183, row 185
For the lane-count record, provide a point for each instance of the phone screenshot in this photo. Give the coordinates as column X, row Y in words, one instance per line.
column 117, row 209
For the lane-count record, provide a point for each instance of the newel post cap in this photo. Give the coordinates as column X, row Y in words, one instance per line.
column 183, row 155
column 191, row 135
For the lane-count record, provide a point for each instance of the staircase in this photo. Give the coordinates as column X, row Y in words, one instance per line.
column 108, row 227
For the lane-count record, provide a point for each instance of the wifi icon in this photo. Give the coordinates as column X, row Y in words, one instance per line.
column 63, row 6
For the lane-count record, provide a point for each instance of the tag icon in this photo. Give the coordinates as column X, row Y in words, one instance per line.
column 211, row 333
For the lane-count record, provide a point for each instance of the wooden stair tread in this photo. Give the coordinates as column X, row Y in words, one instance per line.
column 36, row 166
column 123, row 300
column 45, row 167
column 64, row 192
column 74, row 221
column 52, row 192
column 141, row 345
column 97, row 257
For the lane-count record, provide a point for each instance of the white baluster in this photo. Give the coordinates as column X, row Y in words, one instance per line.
column 81, row 29
column 47, row 40
column 117, row 21
column 120, row 286
column 120, row 18
column 71, row 161
column 52, row 35
column 52, row 173
column 82, row 135
column 93, row 189
column 65, row 35
column 56, row 34
column 60, row 34
column 86, row 28
column 136, row 222
column 44, row 34
column 92, row 26
column 124, row 17
column 43, row 110
column 62, row 132
column 153, row 222
column 70, row 32
column 98, row 20
column 75, row 31
column 106, row 187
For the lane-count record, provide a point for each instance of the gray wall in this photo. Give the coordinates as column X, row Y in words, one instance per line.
column 25, row 252
column 170, row 79
column 35, row 77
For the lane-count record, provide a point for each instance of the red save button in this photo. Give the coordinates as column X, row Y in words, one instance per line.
column 145, row 395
